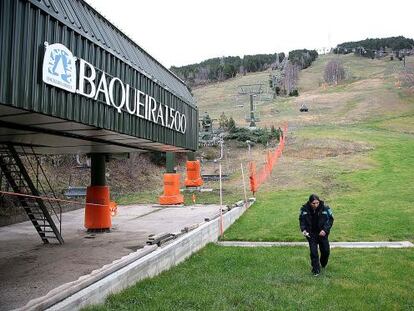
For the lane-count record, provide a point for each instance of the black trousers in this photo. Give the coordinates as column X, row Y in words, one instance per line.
column 323, row 242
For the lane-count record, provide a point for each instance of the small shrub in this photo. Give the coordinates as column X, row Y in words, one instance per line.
column 259, row 136
column 210, row 153
column 231, row 125
column 294, row 93
column 277, row 90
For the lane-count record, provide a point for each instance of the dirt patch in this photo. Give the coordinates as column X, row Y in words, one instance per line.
column 323, row 148
column 366, row 85
column 316, row 164
column 348, row 104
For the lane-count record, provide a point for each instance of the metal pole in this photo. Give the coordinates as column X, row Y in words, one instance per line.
column 249, row 146
column 221, row 151
column 221, row 204
column 221, row 189
column 252, row 123
column 244, row 185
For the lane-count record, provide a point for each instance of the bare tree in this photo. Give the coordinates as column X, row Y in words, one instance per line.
column 334, row 72
column 201, row 75
column 290, row 77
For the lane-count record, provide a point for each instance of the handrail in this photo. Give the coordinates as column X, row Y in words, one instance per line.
column 59, row 217
column 25, row 178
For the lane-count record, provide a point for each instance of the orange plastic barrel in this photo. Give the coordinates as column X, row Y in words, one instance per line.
column 193, row 174
column 172, row 194
column 97, row 216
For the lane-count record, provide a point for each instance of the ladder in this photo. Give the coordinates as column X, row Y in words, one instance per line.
column 41, row 212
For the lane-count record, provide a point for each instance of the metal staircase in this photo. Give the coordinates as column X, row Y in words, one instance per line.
column 14, row 176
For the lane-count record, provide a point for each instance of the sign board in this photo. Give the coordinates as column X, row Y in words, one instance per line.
column 60, row 70
column 59, row 67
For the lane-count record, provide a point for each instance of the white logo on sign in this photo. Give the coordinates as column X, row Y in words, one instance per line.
column 59, row 67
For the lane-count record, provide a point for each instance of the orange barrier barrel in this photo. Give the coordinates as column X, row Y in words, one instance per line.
column 171, row 190
column 193, row 174
column 97, row 216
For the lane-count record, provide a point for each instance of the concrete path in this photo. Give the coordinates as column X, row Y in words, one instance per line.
column 29, row 269
column 401, row 244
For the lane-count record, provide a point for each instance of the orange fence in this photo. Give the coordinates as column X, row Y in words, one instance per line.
column 257, row 178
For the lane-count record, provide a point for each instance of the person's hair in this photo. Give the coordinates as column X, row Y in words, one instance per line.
column 313, row 197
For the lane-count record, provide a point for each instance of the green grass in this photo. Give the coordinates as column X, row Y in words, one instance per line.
column 369, row 205
column 143, row 197
column 272, row 218
column 225, row 278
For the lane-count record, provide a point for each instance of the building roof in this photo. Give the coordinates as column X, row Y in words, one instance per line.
column 82, row 18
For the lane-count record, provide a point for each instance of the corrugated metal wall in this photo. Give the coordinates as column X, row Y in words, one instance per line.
column 25, row 27
column 85, row 20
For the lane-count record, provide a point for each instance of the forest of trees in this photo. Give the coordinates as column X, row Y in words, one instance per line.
column 219, row 69
column 368, row 47
column 302, row 58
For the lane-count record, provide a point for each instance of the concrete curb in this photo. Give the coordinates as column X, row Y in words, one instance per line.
column 125, row 272
column 400, row 244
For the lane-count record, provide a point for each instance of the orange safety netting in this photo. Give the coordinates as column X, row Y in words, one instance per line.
column 257, row 178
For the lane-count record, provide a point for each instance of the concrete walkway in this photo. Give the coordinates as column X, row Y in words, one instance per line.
column 30, row 269
column 401, row 244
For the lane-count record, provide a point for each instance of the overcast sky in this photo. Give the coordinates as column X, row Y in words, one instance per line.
column 182, row 32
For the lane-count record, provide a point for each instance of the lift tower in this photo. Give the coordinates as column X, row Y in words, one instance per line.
column 252, row 90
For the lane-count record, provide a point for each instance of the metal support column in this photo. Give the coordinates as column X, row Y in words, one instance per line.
column 252, row 119
column 190, row 156
column 98, row 169
column 170, row 162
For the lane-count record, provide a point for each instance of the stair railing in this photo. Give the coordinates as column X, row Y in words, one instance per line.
column 36, row 171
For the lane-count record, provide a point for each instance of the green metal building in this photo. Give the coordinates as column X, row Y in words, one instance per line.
column 71, row 82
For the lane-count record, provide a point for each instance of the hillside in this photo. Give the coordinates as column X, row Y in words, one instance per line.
column 368, row 98
column 366, row 77
column 355, row 149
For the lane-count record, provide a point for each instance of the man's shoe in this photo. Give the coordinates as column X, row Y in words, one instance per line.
column 316, row 272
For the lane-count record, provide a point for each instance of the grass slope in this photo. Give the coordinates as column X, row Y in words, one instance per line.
column 369, row 205
column 225, row 278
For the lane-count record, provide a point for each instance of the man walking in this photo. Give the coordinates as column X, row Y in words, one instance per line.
column 316, row 220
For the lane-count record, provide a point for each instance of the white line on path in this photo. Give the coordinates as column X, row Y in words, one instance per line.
column 400, row 244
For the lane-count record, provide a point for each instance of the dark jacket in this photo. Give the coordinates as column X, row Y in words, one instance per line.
column 324, row 218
